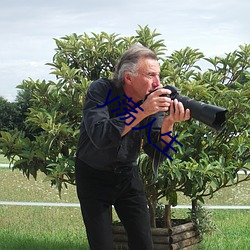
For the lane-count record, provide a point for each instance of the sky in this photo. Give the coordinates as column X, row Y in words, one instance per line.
column 28, row 29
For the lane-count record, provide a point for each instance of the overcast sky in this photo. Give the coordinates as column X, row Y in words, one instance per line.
column 27, row 29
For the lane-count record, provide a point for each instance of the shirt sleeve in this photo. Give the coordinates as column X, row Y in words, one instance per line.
column 155, row 148
column 103, row 130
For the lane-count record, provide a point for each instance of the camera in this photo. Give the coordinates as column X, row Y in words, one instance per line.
column 211, row 115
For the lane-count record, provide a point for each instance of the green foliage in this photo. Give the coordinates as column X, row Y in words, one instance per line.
column 146, row 37
column 207, row 162
column 11, row 115
column 48, row 141
column 202, row 218
column 91, row 57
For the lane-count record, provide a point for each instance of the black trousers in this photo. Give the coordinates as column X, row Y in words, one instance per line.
column 98, row 191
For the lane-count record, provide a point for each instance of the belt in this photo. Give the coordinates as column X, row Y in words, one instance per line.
column 122, row 170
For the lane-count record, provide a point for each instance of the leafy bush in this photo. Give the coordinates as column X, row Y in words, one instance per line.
column 207, row 162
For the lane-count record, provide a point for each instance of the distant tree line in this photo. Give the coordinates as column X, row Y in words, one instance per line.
column 13, row 114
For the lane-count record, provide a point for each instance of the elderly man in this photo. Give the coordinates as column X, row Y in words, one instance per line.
column 117, row 118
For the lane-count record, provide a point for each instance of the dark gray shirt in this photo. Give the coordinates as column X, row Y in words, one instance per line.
column 101, row 145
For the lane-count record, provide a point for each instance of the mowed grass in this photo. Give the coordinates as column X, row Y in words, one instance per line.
column 54, row 228
column 33, row 227
column 51, row 228
column 233, row 231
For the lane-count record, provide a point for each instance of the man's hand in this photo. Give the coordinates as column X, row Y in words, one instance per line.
column 177, row 113
column 156, row 103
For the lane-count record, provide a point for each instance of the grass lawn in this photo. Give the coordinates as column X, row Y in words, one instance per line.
column 45, row 228
column 233, row 231
column 61, row 228
column 35, row 228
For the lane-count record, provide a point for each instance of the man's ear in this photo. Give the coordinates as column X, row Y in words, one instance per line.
column 128, row 77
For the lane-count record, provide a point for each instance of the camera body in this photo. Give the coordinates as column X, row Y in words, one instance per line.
column 211, row 115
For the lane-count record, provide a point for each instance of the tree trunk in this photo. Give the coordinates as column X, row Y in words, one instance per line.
column 152, row 206
column 194, row 205
column 168, row 216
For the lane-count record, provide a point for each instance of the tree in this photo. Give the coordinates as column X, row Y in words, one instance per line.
column 13, row 114
column 10, row 115
column 23, row 103
column 207, row 162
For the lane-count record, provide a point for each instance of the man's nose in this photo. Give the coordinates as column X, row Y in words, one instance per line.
column 157, row 82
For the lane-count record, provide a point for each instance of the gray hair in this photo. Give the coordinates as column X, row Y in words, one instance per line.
column 129, row 61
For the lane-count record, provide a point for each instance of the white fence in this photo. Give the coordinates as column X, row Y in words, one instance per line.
column 2, row 165
column 61, row 204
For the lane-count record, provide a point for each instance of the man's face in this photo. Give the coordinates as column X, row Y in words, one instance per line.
column 146, row 80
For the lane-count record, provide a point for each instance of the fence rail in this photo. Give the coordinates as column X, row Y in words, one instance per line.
column 5, row 165
column 66, row 204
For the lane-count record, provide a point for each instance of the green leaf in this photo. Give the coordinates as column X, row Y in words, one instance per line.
column 172, row 197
